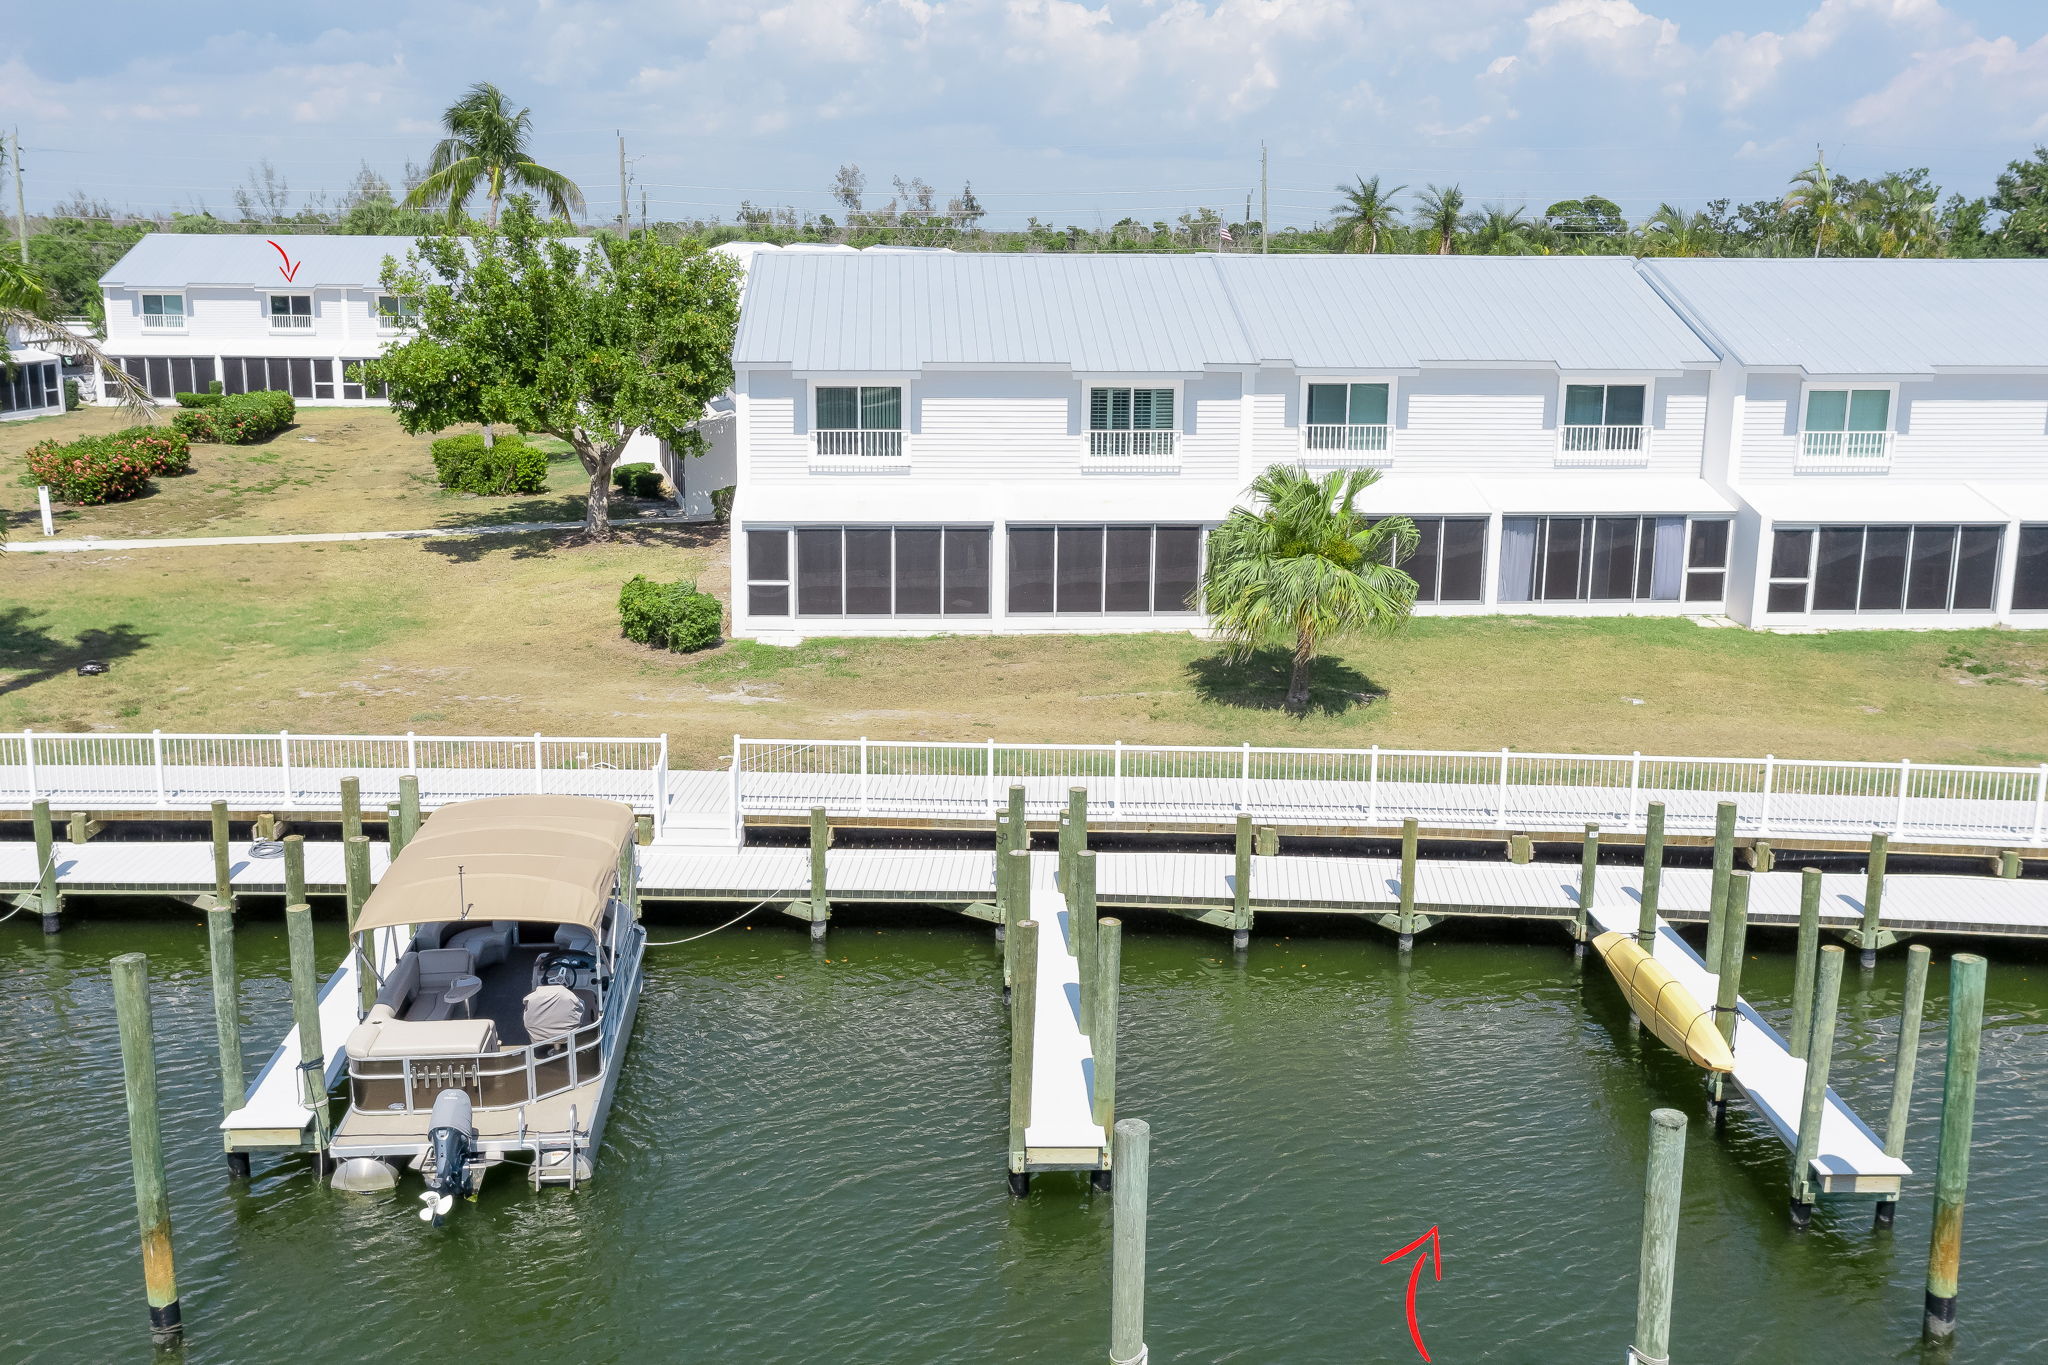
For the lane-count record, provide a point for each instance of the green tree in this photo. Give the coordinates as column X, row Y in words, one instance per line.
column 589, row 343
column 1503, row 231
column 1305, row 566
column 1440, row 213
column 1593, row 216
column 486, row 144
column 28, row 307
column 2021, row 194
column 1673, row 232
column 1363, row 216
column 70, row 254
column 1813, row 195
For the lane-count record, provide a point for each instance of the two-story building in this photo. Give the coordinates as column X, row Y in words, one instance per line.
column 31, row 377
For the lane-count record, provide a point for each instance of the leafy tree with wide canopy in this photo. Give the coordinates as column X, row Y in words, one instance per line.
column 587, row 341
column 1304, row 566
column 486, row 144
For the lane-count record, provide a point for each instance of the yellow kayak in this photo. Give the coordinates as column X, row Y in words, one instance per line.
column 1665, row 1006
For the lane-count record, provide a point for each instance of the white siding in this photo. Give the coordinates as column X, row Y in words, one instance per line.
column 1770, row 427
column 1973, row 427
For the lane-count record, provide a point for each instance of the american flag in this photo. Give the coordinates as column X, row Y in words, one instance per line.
column 1224, row 233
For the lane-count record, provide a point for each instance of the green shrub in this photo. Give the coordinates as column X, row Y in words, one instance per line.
column 627, row 476
column 721, row 503
column 196, row 424
column 200, row 400
column 71, row 398
column 246, row 418
column 165, row 452
column 672, row 616
column 462, row 464
column 89, row 471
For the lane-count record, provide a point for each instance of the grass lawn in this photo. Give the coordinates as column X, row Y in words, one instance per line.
column 513, row 634
column 336, row 469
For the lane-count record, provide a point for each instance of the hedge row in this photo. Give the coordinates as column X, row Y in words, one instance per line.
column 668, row 615
column 236, row 419
column 107, row 468
column 464, row 465
column 210, row 399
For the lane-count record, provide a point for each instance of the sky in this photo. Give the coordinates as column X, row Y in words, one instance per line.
column 1072, row 111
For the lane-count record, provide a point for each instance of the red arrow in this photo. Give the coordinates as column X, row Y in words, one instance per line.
column 1431, row 1247
column 291, row 274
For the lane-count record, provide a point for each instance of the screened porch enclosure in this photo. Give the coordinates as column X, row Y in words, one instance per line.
column 1613, row 559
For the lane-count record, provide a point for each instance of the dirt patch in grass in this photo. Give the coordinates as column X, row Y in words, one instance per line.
column 518, row 633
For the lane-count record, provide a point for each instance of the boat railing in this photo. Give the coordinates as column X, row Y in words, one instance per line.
column 492, row 1080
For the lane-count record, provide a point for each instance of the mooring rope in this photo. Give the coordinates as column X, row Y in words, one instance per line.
column 36, row 890
column 673, row 942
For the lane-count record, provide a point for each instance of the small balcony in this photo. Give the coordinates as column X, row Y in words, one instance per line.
column 291, row 322
column 1603, row 447
column 1844, row 452
column 858, row 452
column 1132, row 452
column 171, row 321
column 1346, row 446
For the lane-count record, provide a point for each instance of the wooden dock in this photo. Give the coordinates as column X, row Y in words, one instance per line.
column 1061, row 1133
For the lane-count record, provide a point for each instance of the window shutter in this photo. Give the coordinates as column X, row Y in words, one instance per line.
column 1098, row 409
column 1152, row 409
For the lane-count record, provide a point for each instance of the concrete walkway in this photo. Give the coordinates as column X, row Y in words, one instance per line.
column 46, row 547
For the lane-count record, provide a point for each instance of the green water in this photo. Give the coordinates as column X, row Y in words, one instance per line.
column 804, row 1164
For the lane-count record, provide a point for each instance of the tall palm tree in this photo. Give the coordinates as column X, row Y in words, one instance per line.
column 1673, row 232
column 1363, row 215
column 28, row 308
column 486, row 144
column 1813, row 189
column 1440, row 211
column 1305, row 566
column 1502, row 231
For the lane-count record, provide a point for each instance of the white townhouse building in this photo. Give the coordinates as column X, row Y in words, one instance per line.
column 31, row 380
column 1009, row 443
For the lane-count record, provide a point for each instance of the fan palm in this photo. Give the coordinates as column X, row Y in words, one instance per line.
column 1363, row 215
column 1502, row 231
column 1304, row 567
column 486, row 144
column 27, row 307
column 1440, row 211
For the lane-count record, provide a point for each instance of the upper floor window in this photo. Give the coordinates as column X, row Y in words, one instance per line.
column 1346, row 420
column 1131, row 426
column 395, row 310
column 1846, row 429
column 291, row 311
column 163, row 310
column 1604, row 424
column 857, row 424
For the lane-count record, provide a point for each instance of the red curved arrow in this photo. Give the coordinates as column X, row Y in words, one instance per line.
column 291, row 274
column 1431, row 1246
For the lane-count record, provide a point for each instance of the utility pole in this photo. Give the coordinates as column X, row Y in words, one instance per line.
column 643, row 209
column 625, row 214
column 20, row 209
column 1265, row 233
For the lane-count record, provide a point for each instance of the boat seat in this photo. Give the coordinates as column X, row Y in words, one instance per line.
column 432, row 1038
column 436, row 973
column 576, row 939
column 401, row 983
column 489, row 944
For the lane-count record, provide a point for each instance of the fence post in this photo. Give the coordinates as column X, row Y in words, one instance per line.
column 1873, row 899
column 991, row 776
column 35, row 786
column 1653, row 874
column 1372, row 789
column 2040, row 802
column 1244, row 780
column 284, row 765
column 1503, row 799
column 1127, row 1254
column 227, row 1019
column 1659, row 1263
column 305, row 973
column 539, row 783
column 1117, row 779
column 156, row 749
column 412, row 753
column 658, row 810
column 1023, row 1019
column 49, row 900
column 1805, row 961
column 223, row 862
column 1724, row 866
column 1905, row 784
column 1635, row 786
column 145, row 1144
column 820, row 903
column 1952, row 1166
column 739, row 818
column 1241, row 887
column 1109, row 966
column 1917, row 958
column 1763, row 819
column 1813, row 1099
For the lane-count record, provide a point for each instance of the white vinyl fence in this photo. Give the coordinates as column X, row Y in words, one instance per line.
column 284, row 771
column 1501, row 790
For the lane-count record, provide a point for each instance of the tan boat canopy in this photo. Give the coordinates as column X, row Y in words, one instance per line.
column 549, row 859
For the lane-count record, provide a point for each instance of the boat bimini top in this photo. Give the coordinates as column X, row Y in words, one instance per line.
column 543, row 859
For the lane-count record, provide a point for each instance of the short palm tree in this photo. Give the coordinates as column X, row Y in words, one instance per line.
column 486, row 144
column 1363, row 215
column 1304, row 566
column 1673, row 232
column 1502, row 231
column 1440, row 212
column 27, row 308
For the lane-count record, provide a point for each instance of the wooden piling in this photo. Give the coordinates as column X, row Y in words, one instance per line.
column 1659, row 1263
column 1267, row 844
column 227, row 1019
column 145, row 1144
column 1023, row 1020
column 1805, row 960
column 2010, row 864
column 1020, row 824
column 1109, row 952
column 408, row 826
column 298, row 927
column 1127, row 1235
column 1589, row 869
column 1734, row 942
column 356, row 868
column 1952, row 1166
column 1910, row 1010
column 1241, row 887
column 351, row 807
column 643, row 829
column 1404, row 920
column 1084, row 932
column 1873, row 900
column 49, row 901
column 1724, row 868
column 81, row 827
column 1653, row 874
column 294, row 869
column 820, row 905
column 1015, row 874
column 1813, row 1100
column 1521, row 849
column 1074, row 830
column 1761, row 859
column 223, row 860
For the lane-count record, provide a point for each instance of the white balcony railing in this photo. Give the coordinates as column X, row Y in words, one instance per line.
column 858, row 452
column 1335, row 444
column 290, row 322
column 1845, row 450
column 163, row 319
column 1603, row 446
column 1133, row 452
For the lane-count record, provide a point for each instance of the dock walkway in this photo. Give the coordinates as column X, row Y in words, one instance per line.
column 1061, row 1133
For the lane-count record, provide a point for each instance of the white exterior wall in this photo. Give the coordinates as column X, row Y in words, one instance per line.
column 234, row 320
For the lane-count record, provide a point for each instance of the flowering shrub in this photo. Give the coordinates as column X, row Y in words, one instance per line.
column 107, row 468
column 166, row 452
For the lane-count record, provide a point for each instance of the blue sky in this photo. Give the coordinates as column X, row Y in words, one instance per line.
column 1075, row 111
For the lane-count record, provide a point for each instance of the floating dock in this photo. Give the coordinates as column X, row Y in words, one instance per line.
column 1060, row 1133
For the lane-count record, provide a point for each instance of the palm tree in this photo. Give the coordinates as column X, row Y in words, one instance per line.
column 1502, row 231
column 1672, row 232
column 1901, row 218
column 1305, row 567
column 486, row 143
column 1362, row 215
column 27, row 308
column 1813, row 189
column 1440, row 211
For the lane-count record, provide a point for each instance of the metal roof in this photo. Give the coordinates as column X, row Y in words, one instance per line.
column 1876, row 317
column 1164, row 314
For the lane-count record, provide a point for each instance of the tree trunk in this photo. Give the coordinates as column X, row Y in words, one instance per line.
column 1297, row 686
column 597, row 510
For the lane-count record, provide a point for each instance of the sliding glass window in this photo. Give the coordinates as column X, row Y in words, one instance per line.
column 1095, row 570
column 869, row 571
column 2030, row 574
column 1884, row 568
column 1449, row 562
column 1613, row 559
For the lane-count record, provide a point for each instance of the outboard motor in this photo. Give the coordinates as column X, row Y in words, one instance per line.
column 451, row 1138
